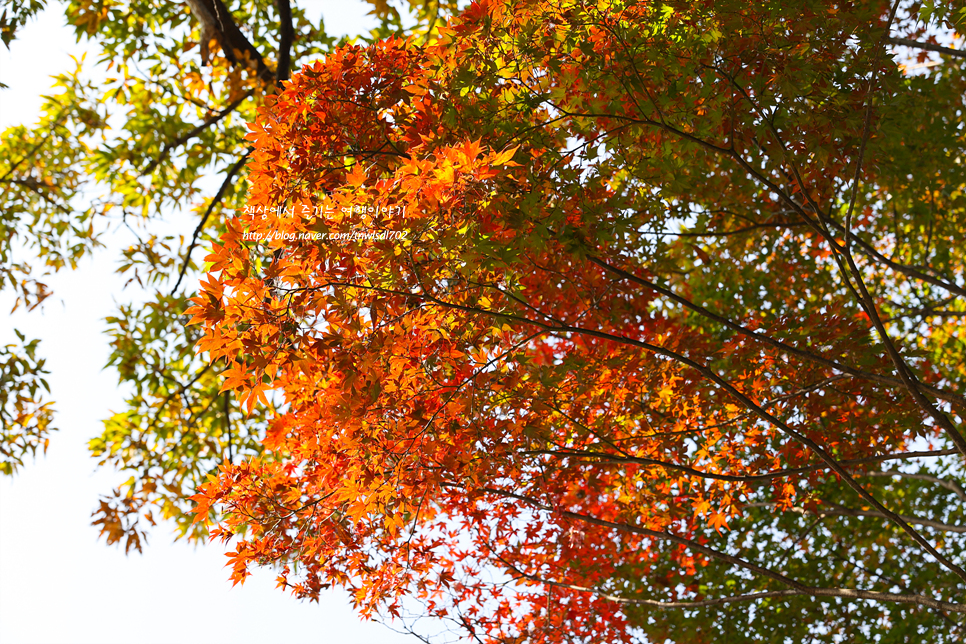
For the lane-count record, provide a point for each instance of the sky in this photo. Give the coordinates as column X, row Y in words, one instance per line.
column 58, row 583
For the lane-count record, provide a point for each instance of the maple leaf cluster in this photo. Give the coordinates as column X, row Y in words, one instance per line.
column 633, row 351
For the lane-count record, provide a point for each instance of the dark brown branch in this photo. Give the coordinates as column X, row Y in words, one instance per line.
column 899, row 456
column 195, row 132
column 663, row 605
column 778, row 344
column 866, row 132
column 211, row 207
column 731, row 153
column 638, row 460
column 926, row 311
column 771, row 419
column 174, row 394
column 913, row 384
column 217, row 22
column 869, row 251
column 906, row 374
column 868, row 302
column 728, row 233
column 717, row 601
column 907, row 377
column 752, row 478
column 933, row 313
column 286, row 34
column 928, row 46
column 860, row 291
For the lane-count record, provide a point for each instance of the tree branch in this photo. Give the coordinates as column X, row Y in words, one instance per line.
column 928, row 46
column 843, row 511
column 706, row 372
column 211, row 207
column 798, row 587
column 217, row 22
column 866, row 132
column 286, row 34
column 869, row 251
column 756, row 478
column 195, row 132
column 33, row 150
column 954, row 487
column 778, row 344
column 829, row 593
column 908, row 378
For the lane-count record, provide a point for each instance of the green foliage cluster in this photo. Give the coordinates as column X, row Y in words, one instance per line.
column 25, row 419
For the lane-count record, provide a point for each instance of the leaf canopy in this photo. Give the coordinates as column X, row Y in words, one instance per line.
column 615, row 321
column 665, row 342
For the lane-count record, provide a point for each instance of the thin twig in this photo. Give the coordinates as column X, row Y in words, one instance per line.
column 928, row 46
column 214, row 201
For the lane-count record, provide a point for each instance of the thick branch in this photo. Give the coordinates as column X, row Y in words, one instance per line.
column 217, row 22
column 286, row 34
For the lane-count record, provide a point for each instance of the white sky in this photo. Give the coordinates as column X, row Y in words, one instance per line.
column 58, row 583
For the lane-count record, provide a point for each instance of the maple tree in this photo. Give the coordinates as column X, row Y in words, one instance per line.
column 666, row 343
column 146, row 136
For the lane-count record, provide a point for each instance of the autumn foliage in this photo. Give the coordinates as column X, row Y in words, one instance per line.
column 671, row 346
